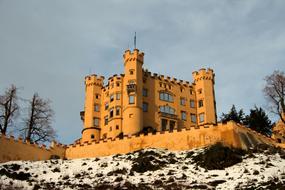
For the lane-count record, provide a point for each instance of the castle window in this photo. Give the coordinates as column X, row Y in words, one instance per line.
column 145, row 107
column 193, row 118
column 200, row 103
column 131, row 115
column 96, row 121
column 181, row 89
column 118, row 84
column 92, row 136
column 110, row 129
column 200, row 91
column 112, row 98
column 160, row 84
column 169, row 87
column 165, row 96
column 131, row 99
column 96, row 108
column 106, row 120
column 201, row 117
column 111, row 113
column 145, row 92
column 183, row 115
column 192, row 104
column 104, row 136
column 118, row 96
column 191, row 92
column 167, row 109
column 106, row 105
column 182, row 101
column 97, row 96
column 131, row 71
column 117, row 127
column 117, row 110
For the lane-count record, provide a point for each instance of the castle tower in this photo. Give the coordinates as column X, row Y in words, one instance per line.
column 205, row 95
column 132, row 95
column 91, row 119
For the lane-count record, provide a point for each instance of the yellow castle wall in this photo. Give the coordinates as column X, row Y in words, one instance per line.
column 16, row 149
column 230, row 134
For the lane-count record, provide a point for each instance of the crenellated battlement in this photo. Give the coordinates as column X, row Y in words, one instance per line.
column 230, row 134
column 167, row 79
column 93, row 79
column 19, row 149
column 203, row 74
column 136, row 55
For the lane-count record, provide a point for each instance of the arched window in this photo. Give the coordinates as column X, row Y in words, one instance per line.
column 167, row 109
column 92, row 136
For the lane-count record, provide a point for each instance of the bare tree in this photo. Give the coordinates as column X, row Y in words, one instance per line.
column 38, row 122
column 274, row 90
column 9, row 108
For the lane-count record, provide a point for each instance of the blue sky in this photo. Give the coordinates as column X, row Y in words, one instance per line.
column 49, row 46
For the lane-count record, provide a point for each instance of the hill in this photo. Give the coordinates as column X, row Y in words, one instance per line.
column 215, row 167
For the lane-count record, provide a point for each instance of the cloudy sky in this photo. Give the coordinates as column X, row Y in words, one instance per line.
column 49, row 46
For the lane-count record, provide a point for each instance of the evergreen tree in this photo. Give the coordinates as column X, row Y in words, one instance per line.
column 258, row 120
column 234, row 115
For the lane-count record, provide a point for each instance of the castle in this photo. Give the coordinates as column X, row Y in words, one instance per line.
column 138, row 110
column 138, row 101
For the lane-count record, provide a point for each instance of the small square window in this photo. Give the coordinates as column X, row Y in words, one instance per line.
column 182, row 101
column 106, row 105
column 106, row 120
column 118, row 96
column 97, row 96
column 145, row 107
column 131, row 72
column 200, row 91
column 192, row 104
column 201, row 117
column 131, row 99
column 96, row 108
column 118, row 84
column 193, row 118
column 200, row 103
column 110, row 128
column 145, row 92
column 117, row 110
column 131, row 115
column 112, row 98
column 111, row 113
column 117, row 127
column 183, row 115
column 96, row 121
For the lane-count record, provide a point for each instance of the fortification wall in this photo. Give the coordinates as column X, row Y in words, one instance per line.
column 230, row 134
column 17, row 149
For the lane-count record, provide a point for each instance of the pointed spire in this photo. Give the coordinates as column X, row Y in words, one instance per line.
column 135, row 40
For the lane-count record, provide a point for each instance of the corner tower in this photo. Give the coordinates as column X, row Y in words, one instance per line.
column 91, row 114
column 204, row 81
column 132, row 92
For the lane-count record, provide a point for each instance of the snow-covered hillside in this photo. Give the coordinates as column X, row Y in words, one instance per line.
column 216, row 167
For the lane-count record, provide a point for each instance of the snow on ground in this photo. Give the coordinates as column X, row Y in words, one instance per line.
column 148, row 169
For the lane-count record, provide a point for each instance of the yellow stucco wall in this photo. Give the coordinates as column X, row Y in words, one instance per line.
column 230, row 134
column 16, row 149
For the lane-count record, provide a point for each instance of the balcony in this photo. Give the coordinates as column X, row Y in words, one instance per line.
column 131, row 88
column 168, row 115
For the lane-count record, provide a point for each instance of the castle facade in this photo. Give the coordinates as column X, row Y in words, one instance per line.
column 138, row 101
